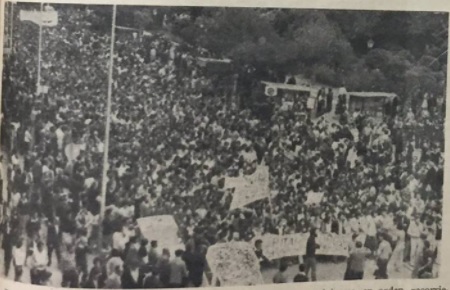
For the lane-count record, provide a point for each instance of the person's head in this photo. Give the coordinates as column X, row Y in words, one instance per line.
column 19, row 243
column 302, row 267
column 426, row 244
column 283, row 267
column 40, row 246
column 144, row 243
column 178, row 253
column 97, row 262
column 115, row 253
column 359, row 244
column 133, row 240
column 354, row 236
column 154, row 244
column 166, row 253
column 258, row 244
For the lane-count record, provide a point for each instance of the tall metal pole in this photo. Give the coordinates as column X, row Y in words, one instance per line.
column 107, row 129
column 38, row 81
column 12, row 26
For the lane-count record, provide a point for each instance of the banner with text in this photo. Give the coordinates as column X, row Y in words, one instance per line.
column 279, row 246
column 249, row 188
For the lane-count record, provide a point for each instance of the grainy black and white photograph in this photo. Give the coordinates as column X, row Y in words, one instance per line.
column 182, row 146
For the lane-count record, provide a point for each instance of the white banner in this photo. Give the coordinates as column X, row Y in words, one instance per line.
column 279, row 246
column 42, row 90
column 234, row 264
column 311, row 103
column 249, row 188
column 314, row 198
column 44, row 18
column 161, row 228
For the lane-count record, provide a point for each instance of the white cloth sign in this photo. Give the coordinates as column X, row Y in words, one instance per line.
column 234, row 264
column 44, row 18
column 161, row 228
column 249, row 188
column 279, row 246
column 314, row 198
column 311, row 103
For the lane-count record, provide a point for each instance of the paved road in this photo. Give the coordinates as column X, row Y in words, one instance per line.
column 326, row 271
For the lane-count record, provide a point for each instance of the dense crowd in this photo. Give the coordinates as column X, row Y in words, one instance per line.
column 173, row 143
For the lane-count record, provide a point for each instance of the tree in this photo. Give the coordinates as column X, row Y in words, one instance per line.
column 329, row 46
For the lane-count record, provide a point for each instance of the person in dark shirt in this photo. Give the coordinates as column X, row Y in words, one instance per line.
column 329, row 100
column 97, row 275
column 153, row 256
column 426, row 268
column 263, row 261
column 301, row 276
column 195, row 263
column 53, row 240
column 143, row 252
column 310, row 257
column 151, row 280
column 163, row 268
column 132, row 277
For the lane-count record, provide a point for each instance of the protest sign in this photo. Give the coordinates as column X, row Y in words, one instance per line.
column 314, row 198
column 42, row 89
column 162, row 228
column 333, row 244
column 44, row 18
column 311, row 103
column 234, row 264
column 249, row 188
column 279, row 246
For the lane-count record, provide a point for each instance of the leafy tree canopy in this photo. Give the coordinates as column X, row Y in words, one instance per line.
column 329, row 46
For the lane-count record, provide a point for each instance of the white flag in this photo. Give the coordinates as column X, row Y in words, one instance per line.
column 314, row 198
column 42, row 90
column 44, row 18
column 250, row 188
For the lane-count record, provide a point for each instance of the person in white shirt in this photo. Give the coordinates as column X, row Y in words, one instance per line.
column 120, row 239
column 397, row 256
column 19, row 253
column 371, row 227
column 431, row 237
column 40, row 261
column 383, row 255
column 84, row 220
column 354, row 224
column 27, row 139
column 60, row 138
column 414, row 231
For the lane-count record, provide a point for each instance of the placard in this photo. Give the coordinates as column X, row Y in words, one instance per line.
column 234, row 264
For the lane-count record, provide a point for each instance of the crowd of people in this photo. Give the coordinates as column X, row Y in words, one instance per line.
column 173, row 142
